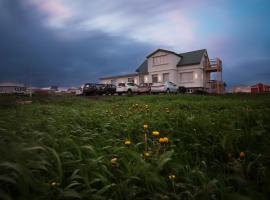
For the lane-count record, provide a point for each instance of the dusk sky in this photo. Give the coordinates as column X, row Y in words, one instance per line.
column 70, row 42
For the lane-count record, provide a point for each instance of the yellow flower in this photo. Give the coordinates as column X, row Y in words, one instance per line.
column 172, row 177
column 155, row 133
column 53, row 184
column 146, row 154
column 164, row 140
column 145, row 126
column 114, row 160
column 127, row 142
column 242, row 154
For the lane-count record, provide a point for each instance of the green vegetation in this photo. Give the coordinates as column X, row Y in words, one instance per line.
column 212, row 147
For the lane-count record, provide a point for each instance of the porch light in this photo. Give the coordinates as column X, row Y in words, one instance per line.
column 146, row 79
column 195, row 76
column 159, row 78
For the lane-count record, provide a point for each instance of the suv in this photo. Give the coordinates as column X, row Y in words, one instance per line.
column 167, row 87
column 128, row 88
column 98, row 89
column 89, row 89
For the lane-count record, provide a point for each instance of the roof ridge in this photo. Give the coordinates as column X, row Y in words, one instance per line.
column 193, row 51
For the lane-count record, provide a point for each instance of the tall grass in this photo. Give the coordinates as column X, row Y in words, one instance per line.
column 73, row 147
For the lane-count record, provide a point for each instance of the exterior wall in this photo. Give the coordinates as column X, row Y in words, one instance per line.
column 198, row 76
column 168, row 67
column 120, row 80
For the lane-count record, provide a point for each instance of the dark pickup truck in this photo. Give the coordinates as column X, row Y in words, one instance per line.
column 98, row 89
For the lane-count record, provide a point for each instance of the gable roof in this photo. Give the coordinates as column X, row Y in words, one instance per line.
column 164, row 50
column 188, row 58
column 143, row 68
column 191, row 58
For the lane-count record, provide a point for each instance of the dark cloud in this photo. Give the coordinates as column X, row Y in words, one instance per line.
column 31, row 53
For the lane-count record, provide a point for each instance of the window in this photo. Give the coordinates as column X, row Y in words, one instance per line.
column 159, row 60
column 165, row 77
column 154, row 78
column 186, row 77
column 131, row 80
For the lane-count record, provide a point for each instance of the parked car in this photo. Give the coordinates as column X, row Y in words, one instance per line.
column 167, row 87
column 144, row 88
column 128, row 88
column 109, row 89
column 89, row 89
column 98, row 89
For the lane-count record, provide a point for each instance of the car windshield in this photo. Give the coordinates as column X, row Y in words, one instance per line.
column 130, row 84
column 121, row 84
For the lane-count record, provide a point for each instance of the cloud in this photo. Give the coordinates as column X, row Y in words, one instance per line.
column 68, row 42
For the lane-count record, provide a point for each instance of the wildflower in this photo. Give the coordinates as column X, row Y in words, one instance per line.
column 114, row 160
column 172, row 177
column 127, row 142
column 242, row 154
column 155, row 133
column 146, row 154
column 145, row 126
column 53, row 184
column 164, row 140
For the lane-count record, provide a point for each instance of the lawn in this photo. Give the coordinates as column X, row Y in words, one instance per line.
column 139, row 147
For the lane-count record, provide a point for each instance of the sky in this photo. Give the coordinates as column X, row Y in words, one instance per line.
column 68, row 43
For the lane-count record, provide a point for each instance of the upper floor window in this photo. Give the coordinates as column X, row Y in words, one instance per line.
column 159, row 60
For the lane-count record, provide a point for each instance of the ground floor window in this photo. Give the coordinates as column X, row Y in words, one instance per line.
column 131, row 80
column 165, row 77
column 154, row 78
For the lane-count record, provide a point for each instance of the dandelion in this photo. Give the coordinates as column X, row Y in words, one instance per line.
column 146, row 154
column 155, row 133
column 164, row 140
column 145, row 126
column 242, row 154
column 114, row 160
column 127, row 142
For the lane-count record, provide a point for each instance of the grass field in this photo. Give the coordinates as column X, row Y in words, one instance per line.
column 140, row 147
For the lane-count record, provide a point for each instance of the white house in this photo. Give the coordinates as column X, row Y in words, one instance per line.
column 191, row 70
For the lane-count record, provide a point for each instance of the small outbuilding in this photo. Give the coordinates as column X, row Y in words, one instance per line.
column 260, row 88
